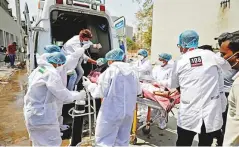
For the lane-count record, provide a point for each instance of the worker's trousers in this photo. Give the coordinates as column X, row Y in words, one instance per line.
column 113, row 132
column 72, row 81
column 79, row 72
column 185, row 137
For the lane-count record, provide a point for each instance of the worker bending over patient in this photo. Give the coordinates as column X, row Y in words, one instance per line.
column 119, row 87
column 161, row 72
column 40, row 102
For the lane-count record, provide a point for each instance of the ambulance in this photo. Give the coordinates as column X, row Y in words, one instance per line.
column 59, row 20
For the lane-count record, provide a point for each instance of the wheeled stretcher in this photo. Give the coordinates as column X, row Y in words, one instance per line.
column 149, row 99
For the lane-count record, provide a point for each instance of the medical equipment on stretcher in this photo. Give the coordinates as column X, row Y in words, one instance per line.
column 148, row 98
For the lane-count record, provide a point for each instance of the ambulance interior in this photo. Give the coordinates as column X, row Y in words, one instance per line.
column 64, row 25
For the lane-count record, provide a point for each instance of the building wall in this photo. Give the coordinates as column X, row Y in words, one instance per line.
column 129, row 32
column 9, row 28
column 207, row 17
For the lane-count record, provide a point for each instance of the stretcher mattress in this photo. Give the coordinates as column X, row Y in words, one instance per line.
column 166, row 103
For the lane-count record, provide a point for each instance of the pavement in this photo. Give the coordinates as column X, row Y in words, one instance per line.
column 5, row 72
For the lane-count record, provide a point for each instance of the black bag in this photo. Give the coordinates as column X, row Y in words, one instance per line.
column 7, row 59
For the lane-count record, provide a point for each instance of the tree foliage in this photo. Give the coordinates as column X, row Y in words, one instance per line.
column 145, row 21
column 131, row 45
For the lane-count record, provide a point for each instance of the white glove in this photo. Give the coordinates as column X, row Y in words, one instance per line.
column 86, row 82
column 81, row 95
column 99, row 63
column 98, row 46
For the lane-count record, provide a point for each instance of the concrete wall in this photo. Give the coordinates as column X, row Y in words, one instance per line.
column 10, row 30
column 207, row 17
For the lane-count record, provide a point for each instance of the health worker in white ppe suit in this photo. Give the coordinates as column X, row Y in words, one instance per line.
column 163, row 71
column 119, row 86
column 71, row 62
column 197, row 75
column 40, row 102
column 143, row 66
column 71, row 46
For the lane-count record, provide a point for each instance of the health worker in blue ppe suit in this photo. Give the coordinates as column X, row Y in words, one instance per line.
column 196, row 72
column 45, row 89
column 119, row 86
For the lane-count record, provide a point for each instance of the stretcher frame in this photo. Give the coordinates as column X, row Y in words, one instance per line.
column 146, row 126
column 89, row 114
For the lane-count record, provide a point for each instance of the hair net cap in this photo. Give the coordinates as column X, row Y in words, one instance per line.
column 57, row 58
column 188, row 39
column 115, row 55
column 165, row 56
column 52, row 49
column 143, row 52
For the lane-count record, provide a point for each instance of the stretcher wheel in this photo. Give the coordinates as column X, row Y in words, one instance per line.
column 146, row 130
column 133, row 139
column 134, row 142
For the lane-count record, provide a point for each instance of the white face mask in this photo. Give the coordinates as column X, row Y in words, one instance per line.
column 59, row 68
column 231, row 57
column 161, row 63
column 85, row 42
column 140, row 57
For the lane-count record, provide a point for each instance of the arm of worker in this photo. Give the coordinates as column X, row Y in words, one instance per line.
column 172, row 81
column 144, row 67
column 55, row 85
column 222, row 95
column 88, row 59
column 99, row 90
column 154, row 72
column 139, row 92
column 72, row 59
